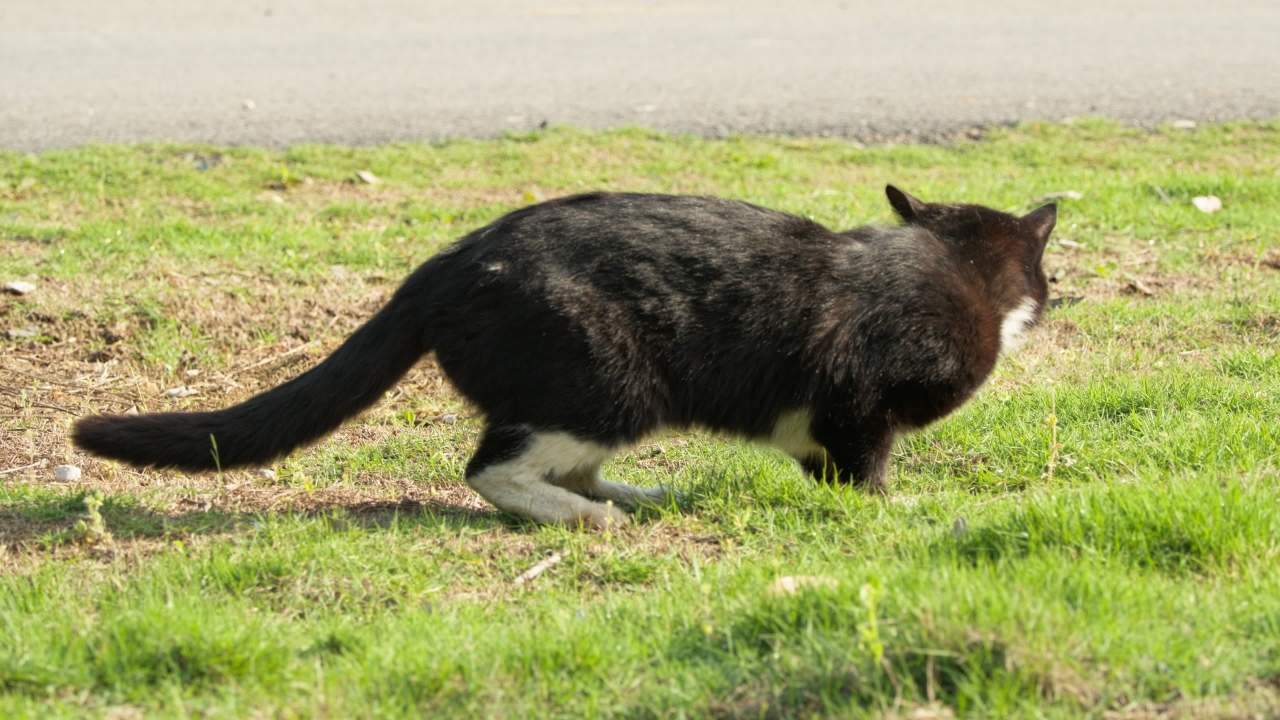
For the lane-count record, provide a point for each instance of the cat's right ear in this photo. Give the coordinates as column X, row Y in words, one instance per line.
column 1041, row 221
column 907, row 207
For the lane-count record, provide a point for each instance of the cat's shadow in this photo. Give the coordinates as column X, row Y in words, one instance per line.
column 50, row 523
column 46, row 524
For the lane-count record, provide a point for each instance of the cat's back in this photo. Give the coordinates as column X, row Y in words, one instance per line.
column 611, row 223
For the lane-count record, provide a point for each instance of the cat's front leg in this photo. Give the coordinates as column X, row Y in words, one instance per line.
column 854, row 452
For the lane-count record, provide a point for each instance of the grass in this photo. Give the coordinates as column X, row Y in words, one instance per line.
column 1097, row 534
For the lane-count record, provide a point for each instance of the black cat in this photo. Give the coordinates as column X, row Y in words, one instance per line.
column 580, row 325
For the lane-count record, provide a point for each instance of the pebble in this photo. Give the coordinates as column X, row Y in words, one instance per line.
column 792, row 584
column 249, row 104
column 1137, row 287
column 266, row 473
column 18, row 287
column 180, row 392
column 22, row 333
column 368, row 178
column 66, row 473
column 1207, row 203
column 449, row 418
column 1184, row 124
column 1063, row 195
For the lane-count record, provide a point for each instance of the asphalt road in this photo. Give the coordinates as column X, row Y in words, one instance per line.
column 276, row 72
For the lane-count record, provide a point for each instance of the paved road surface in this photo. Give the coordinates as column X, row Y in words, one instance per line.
column 282, row 71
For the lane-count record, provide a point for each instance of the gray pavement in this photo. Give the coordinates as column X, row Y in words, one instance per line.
column 276, row 72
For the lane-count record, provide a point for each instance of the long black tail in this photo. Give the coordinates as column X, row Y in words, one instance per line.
column 271, row 424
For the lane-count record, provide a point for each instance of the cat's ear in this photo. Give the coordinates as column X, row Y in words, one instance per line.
column 907, row 207
column 1040, row 222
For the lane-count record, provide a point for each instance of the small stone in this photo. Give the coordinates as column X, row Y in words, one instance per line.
column 25, row 332
column 266, row 473
column 646, row 108
column 449, row 418
column 133, row 410
column 792, row 584
column 181, row 391
column 66, row 473
column 1066, row 243
column 249, row 104
column 932, row 711
column 367, row 177
column 1207, row 203
column 19, row 287
column 1063, row 195
column 1183, row 124
column 1137, row 287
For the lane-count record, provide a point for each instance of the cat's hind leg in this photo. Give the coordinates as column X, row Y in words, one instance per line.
column 591, row 483
column 515, row 469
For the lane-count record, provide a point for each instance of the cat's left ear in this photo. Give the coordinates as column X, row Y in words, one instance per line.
column 907, row 207
column 1039, row 222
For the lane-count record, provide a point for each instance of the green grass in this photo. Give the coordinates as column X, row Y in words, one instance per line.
column 1096, row 534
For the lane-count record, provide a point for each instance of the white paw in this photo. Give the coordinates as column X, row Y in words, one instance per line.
column 605, row 517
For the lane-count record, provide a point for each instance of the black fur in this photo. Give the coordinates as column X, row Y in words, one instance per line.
column 611, row 315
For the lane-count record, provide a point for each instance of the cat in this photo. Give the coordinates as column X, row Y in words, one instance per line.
column 580, row 325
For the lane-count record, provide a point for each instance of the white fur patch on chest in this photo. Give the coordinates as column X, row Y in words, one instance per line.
column 1013, row 328
column 791, row 434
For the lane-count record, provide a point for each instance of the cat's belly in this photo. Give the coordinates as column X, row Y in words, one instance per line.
column 791, row 434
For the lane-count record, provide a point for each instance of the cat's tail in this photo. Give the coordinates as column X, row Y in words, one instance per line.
column 271, row 424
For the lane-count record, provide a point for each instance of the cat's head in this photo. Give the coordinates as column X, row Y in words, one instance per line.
column 1004, row 250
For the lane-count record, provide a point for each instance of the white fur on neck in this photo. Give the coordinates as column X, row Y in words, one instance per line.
column 1014, row 326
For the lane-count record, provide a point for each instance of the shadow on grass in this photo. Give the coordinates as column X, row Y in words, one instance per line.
column 49, row 521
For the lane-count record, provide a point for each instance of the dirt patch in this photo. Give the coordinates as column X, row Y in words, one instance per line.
column 316, row 194
column 1266, row 325
column 221, row 342
column 662, row 538
column 1257, row 699
column 1216, row 256
column 94, row 351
